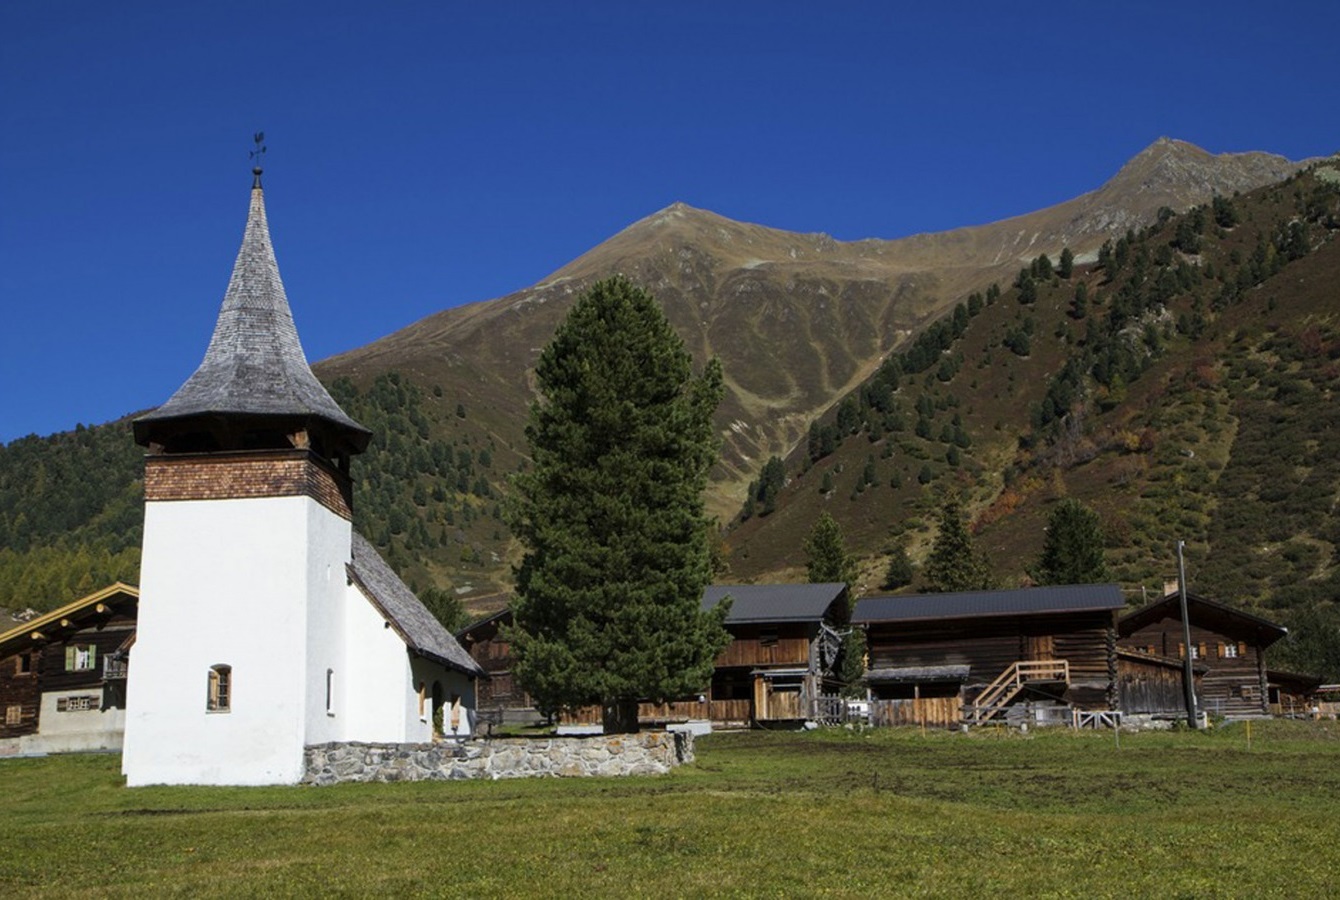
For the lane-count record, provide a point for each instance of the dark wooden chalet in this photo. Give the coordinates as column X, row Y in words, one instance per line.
column 500, row 698
column 63, row 675
column 784, row 642
column 1227, row 643
column 942, row 659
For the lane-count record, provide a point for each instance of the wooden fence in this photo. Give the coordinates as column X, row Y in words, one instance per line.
column 940, row 712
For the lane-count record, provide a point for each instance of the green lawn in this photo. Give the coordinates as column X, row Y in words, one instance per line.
column 835, row 813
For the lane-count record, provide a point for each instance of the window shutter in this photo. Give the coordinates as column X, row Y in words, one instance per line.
column 1218, row 651
column 1242, row 648
column 69, row 657
column 92, row 656
column 1181, row 650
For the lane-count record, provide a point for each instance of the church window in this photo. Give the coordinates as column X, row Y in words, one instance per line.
column 220, row 698
column 330, row 692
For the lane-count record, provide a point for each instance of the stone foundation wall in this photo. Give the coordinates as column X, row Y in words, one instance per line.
column 646, row 753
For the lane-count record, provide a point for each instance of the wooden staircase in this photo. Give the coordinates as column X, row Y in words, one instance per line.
column 998, row 694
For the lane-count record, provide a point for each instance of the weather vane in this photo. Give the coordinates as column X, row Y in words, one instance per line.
column 256, row 156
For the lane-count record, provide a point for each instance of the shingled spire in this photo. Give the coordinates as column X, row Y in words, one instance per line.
column 254, row 389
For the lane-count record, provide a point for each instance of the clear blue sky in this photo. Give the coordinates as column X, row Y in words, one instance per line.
column 428, row 154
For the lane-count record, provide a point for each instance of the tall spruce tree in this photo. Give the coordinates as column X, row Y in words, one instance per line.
column 829, row 562
column 611, row 514
column 954, row 563
column 1073, row 550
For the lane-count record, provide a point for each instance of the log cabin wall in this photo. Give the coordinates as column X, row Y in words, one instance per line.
column 784, row 644
column 1151, row 687
column 1235, row 679
column 487, row 647
column 62, row 673
column 20, row 692
column 990, row 645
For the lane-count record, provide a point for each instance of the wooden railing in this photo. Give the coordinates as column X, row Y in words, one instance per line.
column 997, row 695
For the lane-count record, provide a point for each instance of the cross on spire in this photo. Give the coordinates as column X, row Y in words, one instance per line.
column 256, row 156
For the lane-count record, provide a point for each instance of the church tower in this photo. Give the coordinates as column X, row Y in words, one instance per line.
column 245, row 572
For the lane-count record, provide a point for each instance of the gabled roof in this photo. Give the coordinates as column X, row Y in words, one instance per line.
column 1204, row 613
column 96, row 603
column 417, row 627
column 763, row 603
column 255, row 365
column 985, row 604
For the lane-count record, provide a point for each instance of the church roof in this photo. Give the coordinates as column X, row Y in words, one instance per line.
column 417, row 627
column 255, row 365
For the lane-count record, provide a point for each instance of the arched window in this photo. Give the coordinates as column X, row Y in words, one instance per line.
column 220, row 697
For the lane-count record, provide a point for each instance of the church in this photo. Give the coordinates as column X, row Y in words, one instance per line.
column 266, row 623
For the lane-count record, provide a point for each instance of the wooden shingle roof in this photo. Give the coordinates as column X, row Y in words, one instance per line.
column 255, row 365
column 404, row 612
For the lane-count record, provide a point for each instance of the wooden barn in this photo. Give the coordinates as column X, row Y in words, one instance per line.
column 784, row 643
column 942, row 659
column 500, row 699
column 63, row 675
column 1227, row 644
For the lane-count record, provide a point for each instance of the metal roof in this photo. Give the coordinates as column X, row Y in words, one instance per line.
column 984, row 604
column 255, row 364
column 918, row 674
column 763, row 603
column 417, row 627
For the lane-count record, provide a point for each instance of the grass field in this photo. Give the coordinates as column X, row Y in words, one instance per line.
column 836, row 813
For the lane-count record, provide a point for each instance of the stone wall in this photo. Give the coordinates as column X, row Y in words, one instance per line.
column 646, row 753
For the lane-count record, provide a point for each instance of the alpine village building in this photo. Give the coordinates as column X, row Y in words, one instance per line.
column 63, row 676
column 266, row 624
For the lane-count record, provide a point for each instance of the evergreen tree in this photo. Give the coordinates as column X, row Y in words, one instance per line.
column 1067, row 265
column 954, row 564
column 899, row 572
column 828, row 559
column 1073, row 551
column 611, row 514
column 830, row 562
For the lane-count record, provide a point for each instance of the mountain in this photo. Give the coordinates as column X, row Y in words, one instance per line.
column 797, row 319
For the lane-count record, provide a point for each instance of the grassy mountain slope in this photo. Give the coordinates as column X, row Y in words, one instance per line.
column 1194, row 400
column 799, row 320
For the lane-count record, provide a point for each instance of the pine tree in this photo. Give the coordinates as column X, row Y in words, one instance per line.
column 1073, row 551
column 899, row 572
column 828, row 559
column 829, row 562
column 954, row 563
column 611, row 514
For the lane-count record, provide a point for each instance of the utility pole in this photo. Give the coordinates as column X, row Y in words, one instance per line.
column 1188, row 674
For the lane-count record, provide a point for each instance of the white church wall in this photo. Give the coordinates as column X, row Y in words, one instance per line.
column 378, row 681
column 222, row 582
column 328, row 649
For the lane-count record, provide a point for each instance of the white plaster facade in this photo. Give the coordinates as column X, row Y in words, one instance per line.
column 260, row 585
